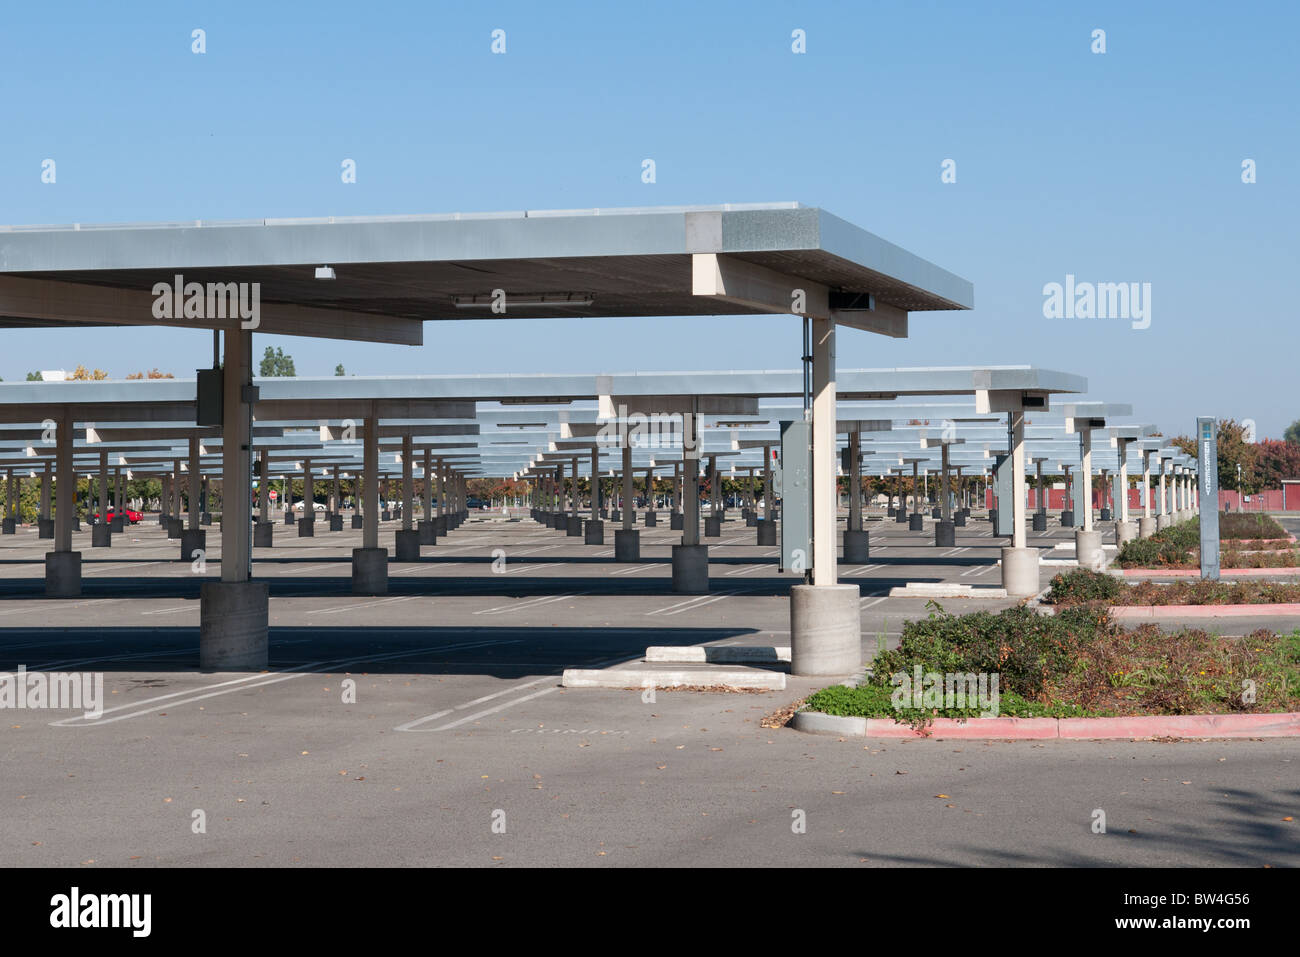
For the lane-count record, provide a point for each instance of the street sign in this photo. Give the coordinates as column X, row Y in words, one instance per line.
column 1207, row 447
column 274, row 495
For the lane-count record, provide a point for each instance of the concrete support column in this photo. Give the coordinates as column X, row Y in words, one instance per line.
column 857, row 543
column 1162, row 519
column 627, row 540
column 407, row 542
column 233, row 612
column 690, row 558
column 1019, row 563
column 370, row 562
column 101, row 534
column 63, row 565
column 1125, row 530
column 825, row 631
column 1087, row 542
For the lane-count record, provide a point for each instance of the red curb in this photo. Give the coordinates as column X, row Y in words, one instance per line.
column 1146, row 726
column 1120, row 612
column 1196, row 572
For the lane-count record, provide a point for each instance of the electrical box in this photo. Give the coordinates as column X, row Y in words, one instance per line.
column 796, row 496
column 1002, row 488
column 209, row 400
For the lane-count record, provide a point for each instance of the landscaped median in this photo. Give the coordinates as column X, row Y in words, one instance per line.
column 1250, row 545
column 1178, row 599
column 1075, row 674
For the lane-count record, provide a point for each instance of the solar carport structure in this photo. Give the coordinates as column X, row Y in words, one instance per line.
column 381, row 278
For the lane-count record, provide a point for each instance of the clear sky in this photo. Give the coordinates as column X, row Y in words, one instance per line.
column 1123, row 166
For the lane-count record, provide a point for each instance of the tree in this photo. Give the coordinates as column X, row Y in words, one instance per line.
column 82, row 374
column 1292, row 433
column 338, row 369
column 35, row 377
column 1277, row 461
column 276, row 363
column 151, row 374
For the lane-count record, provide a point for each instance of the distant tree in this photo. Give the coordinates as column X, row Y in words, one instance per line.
column 1234, row 450
column 1277, row 461
column 276, row 363
column 82, row 374
column 1292, row 433
column 338, row 369
column 35, row 377
column 151, row 374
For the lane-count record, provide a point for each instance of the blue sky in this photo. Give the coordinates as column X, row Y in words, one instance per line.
column 1115, row 167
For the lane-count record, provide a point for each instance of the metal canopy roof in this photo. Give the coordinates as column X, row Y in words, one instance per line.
column 619, row 262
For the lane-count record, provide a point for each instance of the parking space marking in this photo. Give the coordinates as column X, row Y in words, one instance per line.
column 365, row 604
column 529, row 604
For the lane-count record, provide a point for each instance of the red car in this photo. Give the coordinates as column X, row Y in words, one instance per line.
column 132, row 517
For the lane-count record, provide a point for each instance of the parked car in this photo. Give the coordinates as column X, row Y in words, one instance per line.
column 317, row 506
column 477, row 503
column 132, row 516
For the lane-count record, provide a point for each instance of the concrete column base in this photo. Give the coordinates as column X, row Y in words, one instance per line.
column 1067, row 518
column 1087, row 550
column 676, row 522
column 336, row 523
column 408, row 545
column 713, row 526
column 891, row 511
column 174, row 527
column 307, row 527
column 936, row 513
column 62, row 574
column 615, row 516
column 162, row 519
column 1020, row 572
column 915, row 523
column 358, row 521
column 1105, row 515
column 101, row 535
column 233, row 626
column 117, row 523
column 428, row 530
column 544, row 518
column 945, row 534
column 900, row 516
column 825, row 630
column 1125, row 532
column 993, row 517
column 651, row 519
column 263, row 534
column 45, row 528
column 386, row 515
column 205, row 518
column 751, row 520
column 594, row 534
column 627, row 545
column 10, row 526
column 857, row 546
column 370, row 571
column 1163, row 522
column 959, row 519
column 766, row 532
column 691, row 569
column 289, row 517
column 191, row 539
column 1039, row 522
column 1146, row 527
column 574, row 529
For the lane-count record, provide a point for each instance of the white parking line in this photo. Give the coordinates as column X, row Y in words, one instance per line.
column 873, row 602
column 695, row 603
column 365, row 604
column 528, row 605
column 748, row 570
column 633, row 570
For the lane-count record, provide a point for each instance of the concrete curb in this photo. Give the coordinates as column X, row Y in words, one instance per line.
column 1026, row 729
column 1121, row 612
column 719, row 654
column 665, row 678
column 1196, row 572
column 944, row 590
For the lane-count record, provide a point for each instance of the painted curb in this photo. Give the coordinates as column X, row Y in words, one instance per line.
column 945, row 590
column 1196, row 572
column 1027, row 729
column 1261, row 610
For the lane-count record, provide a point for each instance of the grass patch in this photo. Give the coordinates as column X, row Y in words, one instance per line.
column 1077, row 663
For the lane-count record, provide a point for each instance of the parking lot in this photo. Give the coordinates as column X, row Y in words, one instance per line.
column 460, row 727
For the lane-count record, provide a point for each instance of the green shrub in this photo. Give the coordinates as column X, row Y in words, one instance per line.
column 1073, row 588
column 1244, row 525
column 1139, row 553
